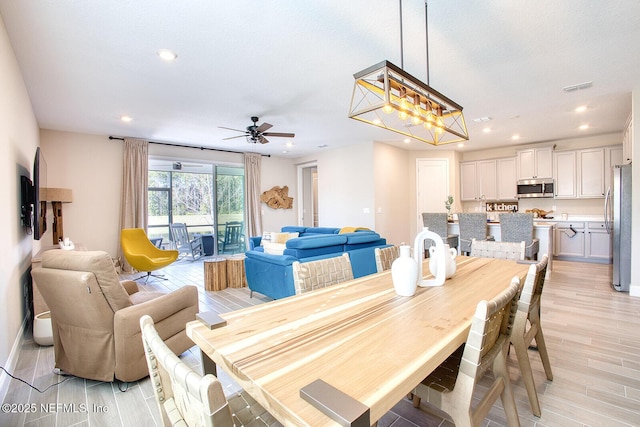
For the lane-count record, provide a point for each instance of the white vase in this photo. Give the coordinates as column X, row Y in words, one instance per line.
column 42, row 329
column 449, row 260
column 404, row 273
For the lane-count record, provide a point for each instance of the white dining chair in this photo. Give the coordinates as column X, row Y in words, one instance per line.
column 450, row 387
column 527, row 327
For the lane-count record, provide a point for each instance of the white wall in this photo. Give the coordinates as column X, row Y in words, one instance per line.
column 278, row 171
column 91, row 166
column 391, row 176
column 345, row 186
column 18, row 142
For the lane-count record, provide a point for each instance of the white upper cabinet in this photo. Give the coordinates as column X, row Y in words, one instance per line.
column 535, row 163
column 627, row 142
column 564, row 171
column 507, row 179
column 478, row 180
column 590, row 173
column 580, row 174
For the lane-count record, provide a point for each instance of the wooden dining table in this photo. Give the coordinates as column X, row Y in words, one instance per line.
column 359, row 337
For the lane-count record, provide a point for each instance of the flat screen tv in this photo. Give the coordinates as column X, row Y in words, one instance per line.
column 33, row 209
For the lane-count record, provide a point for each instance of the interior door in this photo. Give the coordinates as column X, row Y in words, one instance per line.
column 433, row 186
column 308, row 195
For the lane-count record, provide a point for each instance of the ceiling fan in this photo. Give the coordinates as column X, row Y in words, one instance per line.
column 255, row 133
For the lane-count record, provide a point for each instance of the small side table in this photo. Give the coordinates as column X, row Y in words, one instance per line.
column 215, row 274
column 236, row 277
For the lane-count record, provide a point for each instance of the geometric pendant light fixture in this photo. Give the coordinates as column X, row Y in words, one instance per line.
column 386, row 96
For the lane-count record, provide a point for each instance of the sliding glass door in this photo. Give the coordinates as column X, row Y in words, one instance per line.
column 209, row 199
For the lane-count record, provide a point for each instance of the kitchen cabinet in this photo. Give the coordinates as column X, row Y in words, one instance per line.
column 507, row 179
column 579, row 174
column 478, row 180
column 564, row 172
column 627, row 141
column 535, row 163
column 612, row 156
column 590, row 177
column 582, row 241
column 569, row 240
column 597, row 242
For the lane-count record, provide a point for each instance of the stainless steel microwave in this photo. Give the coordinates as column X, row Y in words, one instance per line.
column 535, row 188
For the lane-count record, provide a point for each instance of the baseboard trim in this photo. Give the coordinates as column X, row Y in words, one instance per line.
column 12, row 362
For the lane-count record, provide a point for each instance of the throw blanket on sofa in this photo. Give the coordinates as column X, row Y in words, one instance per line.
column 352, row 229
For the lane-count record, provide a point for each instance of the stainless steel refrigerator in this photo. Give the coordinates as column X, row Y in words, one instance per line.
column 618, row 221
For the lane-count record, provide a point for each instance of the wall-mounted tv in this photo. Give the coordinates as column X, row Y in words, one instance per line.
column 33, row 209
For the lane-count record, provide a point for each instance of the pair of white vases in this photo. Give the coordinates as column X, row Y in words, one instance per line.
column 406, row 270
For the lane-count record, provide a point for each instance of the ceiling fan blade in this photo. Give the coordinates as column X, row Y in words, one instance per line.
column 280, row 134
column 264, row 127
column 237, row 130
column 262, row 139
column 234, row 137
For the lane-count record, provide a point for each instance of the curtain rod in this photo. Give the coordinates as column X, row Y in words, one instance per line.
column 190, row 146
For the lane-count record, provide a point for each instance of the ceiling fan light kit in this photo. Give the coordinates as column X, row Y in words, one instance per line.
column 255, row 133
column 386, row 96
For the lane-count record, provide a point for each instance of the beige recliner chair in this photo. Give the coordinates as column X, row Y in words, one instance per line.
column 96, row 318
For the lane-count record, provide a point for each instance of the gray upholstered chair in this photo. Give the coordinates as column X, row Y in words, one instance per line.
column 518, row 227
column 493, row 249
column 385, row 257
column 450, row 387
column 308, row 276
column 527, row 328
column 472, row 226
column 437, row 222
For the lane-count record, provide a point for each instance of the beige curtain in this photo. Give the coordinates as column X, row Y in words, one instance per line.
column 135, row 180
column 252, row 164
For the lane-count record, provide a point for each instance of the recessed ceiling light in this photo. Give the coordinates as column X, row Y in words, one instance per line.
column 289, row 144
column 515, row 137
column 486, row 130
column 407, row 140
column 167, row 55
column 581, row 109
column 584, row 127
column 125, row 119
column 461, row 145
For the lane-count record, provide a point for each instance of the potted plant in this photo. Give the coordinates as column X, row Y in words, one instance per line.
column 448, row 204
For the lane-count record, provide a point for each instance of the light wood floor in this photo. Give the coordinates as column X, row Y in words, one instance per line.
column 592, row 333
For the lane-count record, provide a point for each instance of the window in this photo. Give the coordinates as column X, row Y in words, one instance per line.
column 186, row 194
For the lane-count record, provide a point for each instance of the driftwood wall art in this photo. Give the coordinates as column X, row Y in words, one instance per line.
column 277, row 198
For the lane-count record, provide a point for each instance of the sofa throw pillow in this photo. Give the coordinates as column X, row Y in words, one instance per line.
column 274, row 248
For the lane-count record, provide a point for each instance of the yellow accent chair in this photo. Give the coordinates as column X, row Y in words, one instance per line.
column 144, row 255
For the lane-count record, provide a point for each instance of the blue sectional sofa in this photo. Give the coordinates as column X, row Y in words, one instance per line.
column 272, row 275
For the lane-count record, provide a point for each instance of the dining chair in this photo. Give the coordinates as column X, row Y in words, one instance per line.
column 385, row 257
column 308, row 276
column 233, row 239
column 186, row 398
column 450, row 387
column 437, row 222
column 527, row 327
column 518, row 227
column 493, row 249
column 473, row 225
column 185, row 244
